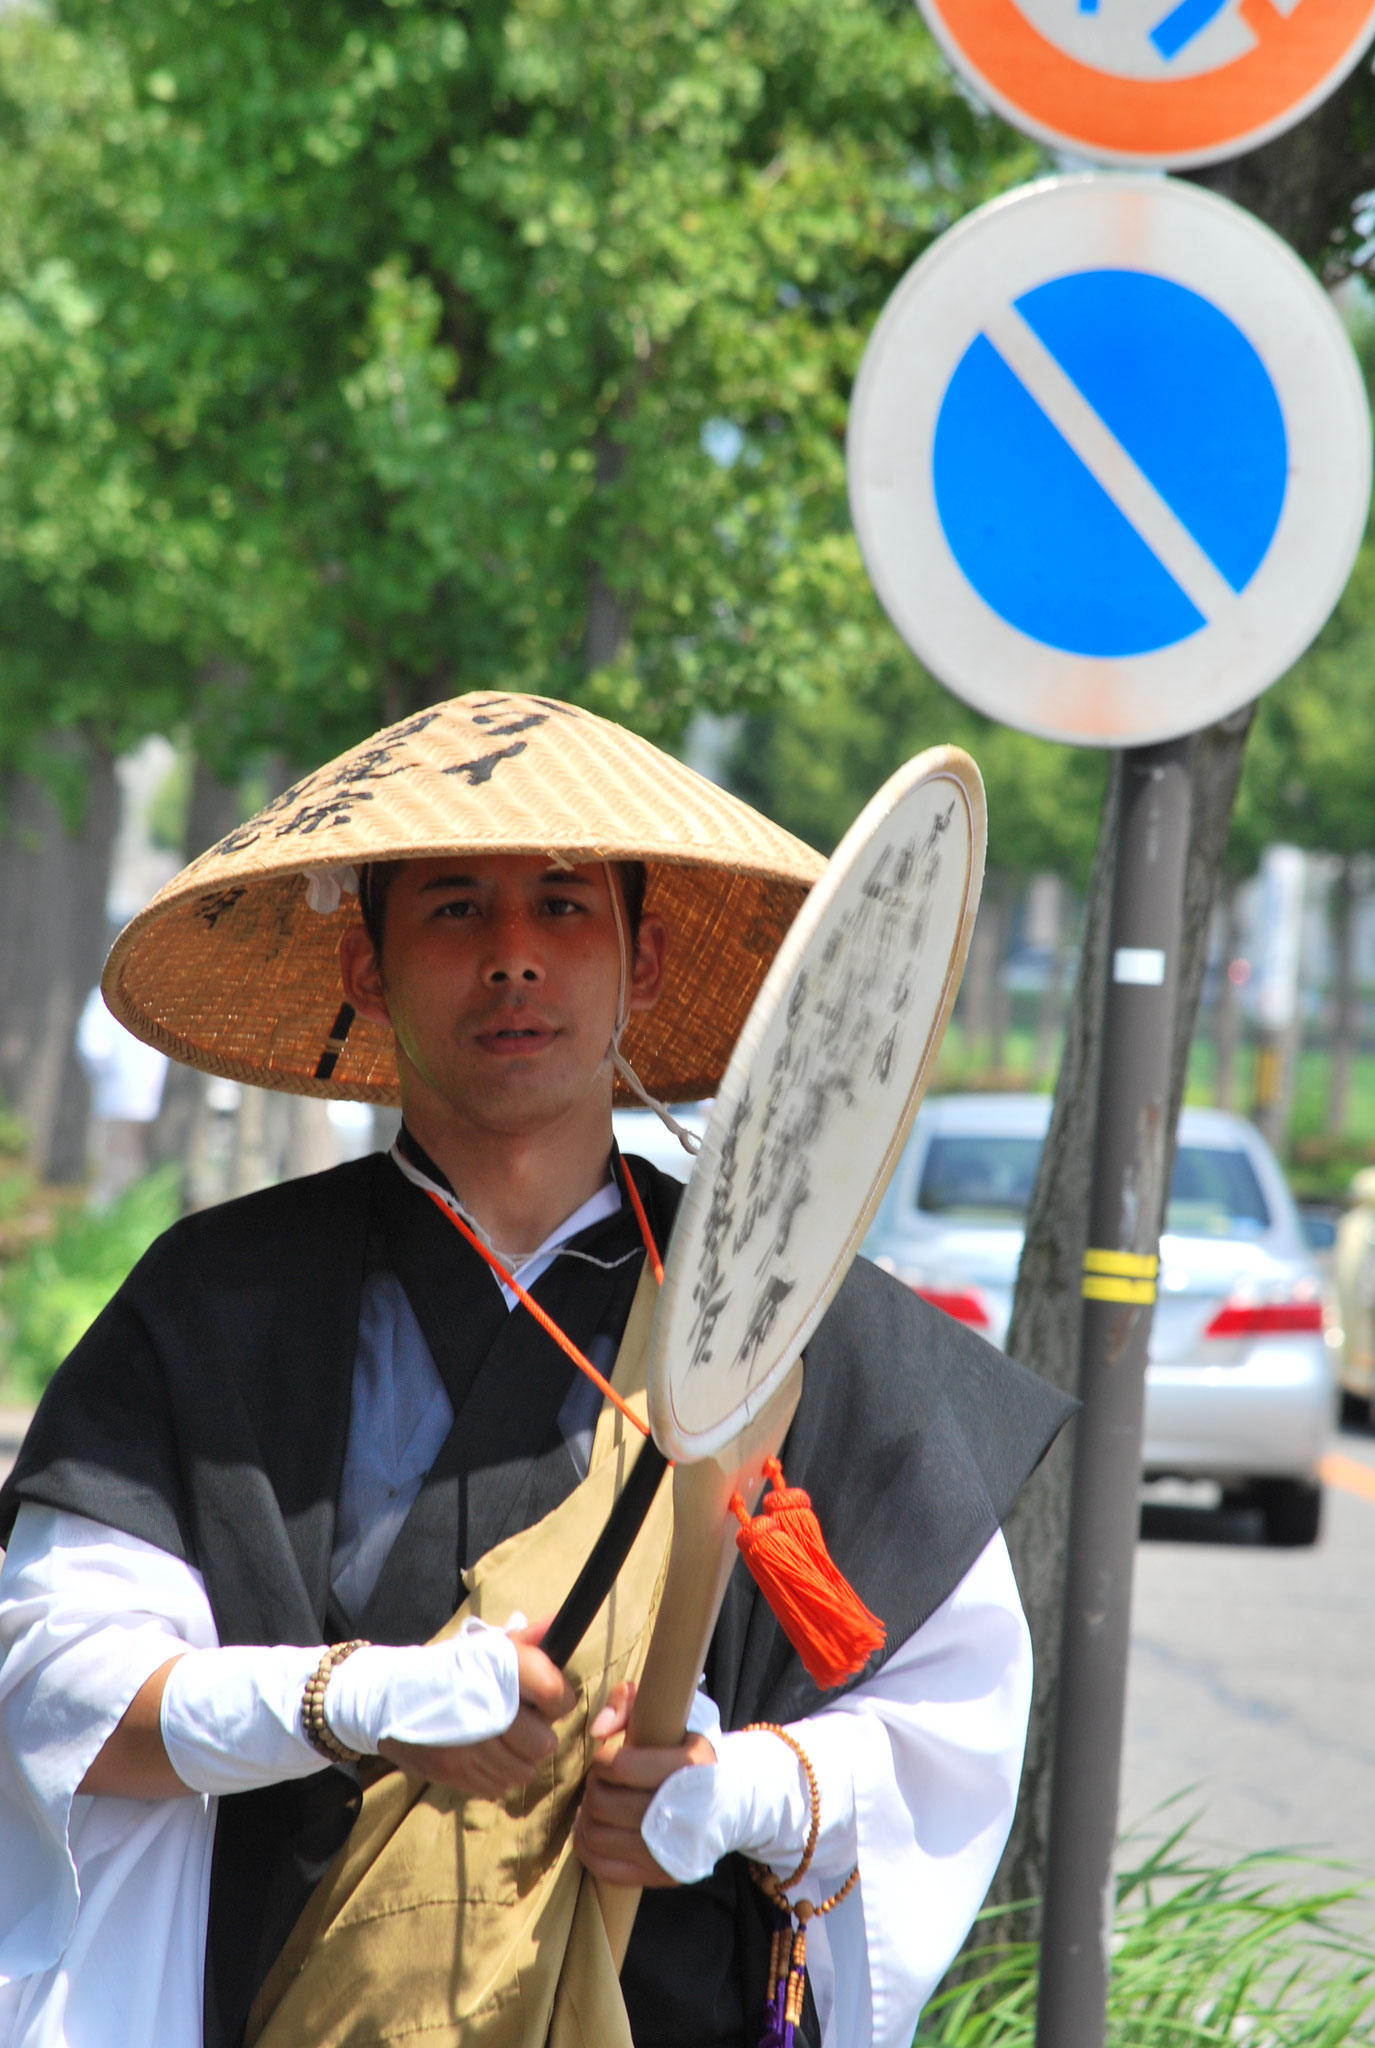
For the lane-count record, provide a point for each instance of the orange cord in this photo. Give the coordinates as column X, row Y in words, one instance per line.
column 545, row 1321
column 655, row 1262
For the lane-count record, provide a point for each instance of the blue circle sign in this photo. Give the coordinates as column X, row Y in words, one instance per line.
column 1189, row 399
column 1086, row 490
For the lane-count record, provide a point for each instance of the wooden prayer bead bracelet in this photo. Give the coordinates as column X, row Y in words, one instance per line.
column 788, row 1955
column 773, row 1886
column 316, row 1728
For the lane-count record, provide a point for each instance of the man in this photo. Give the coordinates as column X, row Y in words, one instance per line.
column 316, row 1414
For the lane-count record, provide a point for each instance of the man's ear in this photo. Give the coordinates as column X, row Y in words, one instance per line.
column 647, row 968
column 360, row 970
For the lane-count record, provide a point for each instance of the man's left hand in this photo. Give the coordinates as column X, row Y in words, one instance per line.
column 620, row 1785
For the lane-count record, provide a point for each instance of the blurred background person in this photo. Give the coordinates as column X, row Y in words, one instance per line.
column 127, row 1079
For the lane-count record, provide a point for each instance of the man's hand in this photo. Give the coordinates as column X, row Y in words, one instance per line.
column 620, row 1785
column 490, row 1769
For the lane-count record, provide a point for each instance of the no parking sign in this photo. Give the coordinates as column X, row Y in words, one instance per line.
column 1153, row 81
column 1109, row 458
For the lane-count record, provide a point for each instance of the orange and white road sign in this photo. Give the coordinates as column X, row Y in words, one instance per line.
column 1168, row 82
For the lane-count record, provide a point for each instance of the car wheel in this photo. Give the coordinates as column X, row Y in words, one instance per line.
column 1292, row 1510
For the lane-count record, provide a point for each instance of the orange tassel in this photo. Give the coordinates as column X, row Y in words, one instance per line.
column 822, row 1616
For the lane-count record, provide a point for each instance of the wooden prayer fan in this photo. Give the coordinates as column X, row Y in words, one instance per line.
column 811, row 1116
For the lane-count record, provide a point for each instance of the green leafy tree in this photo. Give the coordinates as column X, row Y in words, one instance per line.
column 353, row 354
column 416, row 326
column 813, row 762
column 816, row 760
column 1310, row 779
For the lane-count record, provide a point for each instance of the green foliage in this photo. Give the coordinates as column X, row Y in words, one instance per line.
column 53, row 1291
column 91, row 567
column 1310, row 762
column 1309, row 776
column 356, row 353
column 815, row 761
column 169, row 806
column 1203, row 1956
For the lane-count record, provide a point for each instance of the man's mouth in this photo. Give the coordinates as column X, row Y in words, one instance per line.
column 511, row 1037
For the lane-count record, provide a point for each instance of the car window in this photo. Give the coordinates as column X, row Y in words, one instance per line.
column 978, row 1176
column 1215, row 1193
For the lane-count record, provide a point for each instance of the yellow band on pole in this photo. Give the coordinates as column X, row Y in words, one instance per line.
column 1126, row 1265
column 1103, row 1287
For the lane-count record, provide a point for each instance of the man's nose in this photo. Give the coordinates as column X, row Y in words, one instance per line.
column 514, row 953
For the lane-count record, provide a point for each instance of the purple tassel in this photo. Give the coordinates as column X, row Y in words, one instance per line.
column 777, row 2030
column 776, row 2033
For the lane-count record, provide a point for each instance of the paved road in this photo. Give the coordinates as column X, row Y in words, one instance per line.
column 1253, row 1675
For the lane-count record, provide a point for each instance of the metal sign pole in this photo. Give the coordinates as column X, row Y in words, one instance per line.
column 1126, row 1208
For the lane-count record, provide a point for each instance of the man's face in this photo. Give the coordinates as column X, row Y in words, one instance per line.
column 499, row 977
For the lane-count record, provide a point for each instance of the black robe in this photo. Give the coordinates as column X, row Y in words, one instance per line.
column 206, row 1411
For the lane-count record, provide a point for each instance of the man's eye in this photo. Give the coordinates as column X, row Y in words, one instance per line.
column 561, row 906
column 460, row 906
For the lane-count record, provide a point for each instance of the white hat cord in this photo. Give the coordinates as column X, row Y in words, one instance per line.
column 326, row 887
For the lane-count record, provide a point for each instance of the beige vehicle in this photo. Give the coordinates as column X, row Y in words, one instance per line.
column 1355, row 1273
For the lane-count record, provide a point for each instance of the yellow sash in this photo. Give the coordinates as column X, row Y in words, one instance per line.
column 469, row 1920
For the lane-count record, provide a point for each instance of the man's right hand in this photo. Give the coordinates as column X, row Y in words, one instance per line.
column 494, row 1767
column 231, row 1716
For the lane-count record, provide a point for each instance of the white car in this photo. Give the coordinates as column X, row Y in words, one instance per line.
column 1241, row 1386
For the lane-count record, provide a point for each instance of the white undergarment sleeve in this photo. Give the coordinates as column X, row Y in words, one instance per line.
column 87, row 1884
column 462, row 1690
column 752, row 1799
column 231, row 1718
column 917, row 1770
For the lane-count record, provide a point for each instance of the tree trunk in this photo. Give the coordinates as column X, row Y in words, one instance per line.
column 52, row 942
column 1227, row 1018
column 979, row 987
column 261, row 1140
column 1218, row 754
column 1277, row 1061
column 1048, row 1009
column 1000, row 1001
column 1044, row 1331
column 1344, row 998
column 178, row 1131
column 1044, row 1334
column 312, row 1144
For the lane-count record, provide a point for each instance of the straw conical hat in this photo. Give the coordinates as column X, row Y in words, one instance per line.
column 230, row 970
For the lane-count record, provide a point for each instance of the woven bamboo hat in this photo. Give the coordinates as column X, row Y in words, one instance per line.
column 231, row 970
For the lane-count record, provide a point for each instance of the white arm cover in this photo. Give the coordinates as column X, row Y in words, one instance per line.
column 918, row 1772
column 118, row 1886
column 231, row 1718
column 103, row 1901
